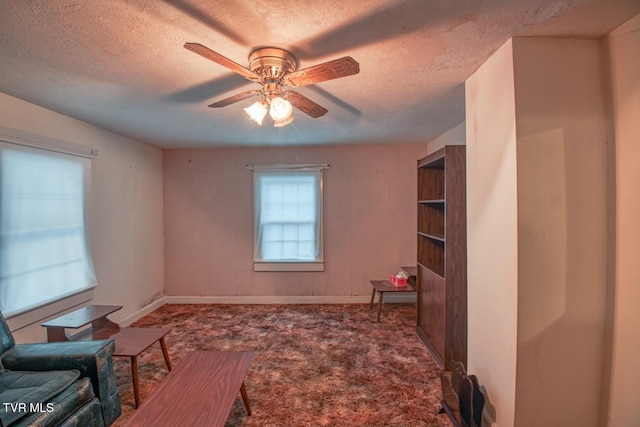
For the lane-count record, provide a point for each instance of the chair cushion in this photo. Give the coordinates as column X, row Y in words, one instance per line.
column 75, row 406
column 92, row 358
column 22, row 392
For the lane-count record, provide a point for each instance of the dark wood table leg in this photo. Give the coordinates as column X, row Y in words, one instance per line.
column 165, row 353
column 104, row 323
column 56, row 334
column 373, row 295
column 380, row 306
column 245, row 398
column 134, row 374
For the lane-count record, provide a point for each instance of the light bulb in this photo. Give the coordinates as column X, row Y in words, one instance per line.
column 280, row 110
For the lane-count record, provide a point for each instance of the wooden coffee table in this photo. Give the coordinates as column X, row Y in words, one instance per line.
column 200, row 391
column 130, row 342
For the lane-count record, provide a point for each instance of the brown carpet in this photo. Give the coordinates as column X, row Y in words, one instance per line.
column 315, row 365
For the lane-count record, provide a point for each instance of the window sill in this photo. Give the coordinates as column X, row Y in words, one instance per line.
column 288, row 266
column 27, row 318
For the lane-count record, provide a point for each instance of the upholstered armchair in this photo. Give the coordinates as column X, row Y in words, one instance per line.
column 76, row 379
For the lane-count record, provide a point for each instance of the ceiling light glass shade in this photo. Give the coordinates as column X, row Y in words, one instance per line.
column 281, row 123
column 280, row 110
column 256, row 112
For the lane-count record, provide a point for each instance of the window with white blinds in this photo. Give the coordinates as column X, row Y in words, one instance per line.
column 44, row 255
column 288, row 218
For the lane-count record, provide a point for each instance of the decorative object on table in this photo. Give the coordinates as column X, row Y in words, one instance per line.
column 399, row 280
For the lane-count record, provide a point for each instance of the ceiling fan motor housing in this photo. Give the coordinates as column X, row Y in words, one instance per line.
column 271, row 63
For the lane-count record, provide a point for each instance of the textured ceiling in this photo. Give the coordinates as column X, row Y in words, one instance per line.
column 121, row 65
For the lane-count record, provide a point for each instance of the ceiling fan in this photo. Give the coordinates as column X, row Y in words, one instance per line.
column 275, row 68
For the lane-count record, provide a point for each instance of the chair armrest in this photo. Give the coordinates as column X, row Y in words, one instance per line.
column 56, row 356
column 92, row 358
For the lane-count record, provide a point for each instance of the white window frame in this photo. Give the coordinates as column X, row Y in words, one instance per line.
column 262, row 170
column 21, row 140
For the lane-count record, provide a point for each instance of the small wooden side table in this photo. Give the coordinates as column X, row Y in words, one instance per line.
column 130, row 342
column 96, row 315
column 382, row 286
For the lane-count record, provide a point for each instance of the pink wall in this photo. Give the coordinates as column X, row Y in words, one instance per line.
column 369, row 208
column 537, row 221
column 624, row 45
column 126, row 217
column 492, row 231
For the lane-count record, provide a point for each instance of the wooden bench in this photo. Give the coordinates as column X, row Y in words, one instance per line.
column 199, row 391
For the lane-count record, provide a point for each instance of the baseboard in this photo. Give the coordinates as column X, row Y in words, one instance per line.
column 358, row 299
column 38, row 315
column 267, row 300
column 143, row 311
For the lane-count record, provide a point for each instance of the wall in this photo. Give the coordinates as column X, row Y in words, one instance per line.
column 454, row 136
column 624, row 45
column 127, row 217
column 492, row 237
column 538, row 181
column 369, row 229
column 562, row 164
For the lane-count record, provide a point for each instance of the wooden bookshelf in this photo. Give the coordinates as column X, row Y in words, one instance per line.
column 442, row 254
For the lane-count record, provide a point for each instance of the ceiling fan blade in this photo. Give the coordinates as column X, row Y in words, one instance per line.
column 335, row 69
column 205, row 52
column 304, row 104
column 236, row 98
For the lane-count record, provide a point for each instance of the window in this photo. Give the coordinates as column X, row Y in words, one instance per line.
column 288, row 217
column 44, row 255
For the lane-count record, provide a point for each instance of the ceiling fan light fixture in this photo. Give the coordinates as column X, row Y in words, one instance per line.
column 256, row 112
column 282, row 123
column 280, row 109
column 274, row 68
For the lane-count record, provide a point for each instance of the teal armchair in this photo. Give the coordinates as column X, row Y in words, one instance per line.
column 77, row 380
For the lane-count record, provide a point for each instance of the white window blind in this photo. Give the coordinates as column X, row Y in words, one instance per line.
column 44, row 254
column 288, row 218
